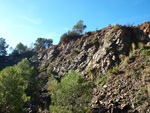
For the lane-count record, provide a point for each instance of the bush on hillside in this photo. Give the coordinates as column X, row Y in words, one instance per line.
column 64, row 37
column 14, row 81
column 71, row 95
column 71, row 35
column 76, row 32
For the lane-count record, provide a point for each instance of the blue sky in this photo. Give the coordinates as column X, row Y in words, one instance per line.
column 26, row 20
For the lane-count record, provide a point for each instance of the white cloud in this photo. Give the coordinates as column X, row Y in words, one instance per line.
column 66, row 28
column 27, row 27
column 34, row 21
column 50, row 35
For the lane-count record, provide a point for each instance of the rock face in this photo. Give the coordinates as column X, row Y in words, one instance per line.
column 97, row 52
column 118, row 96
column 99, row 49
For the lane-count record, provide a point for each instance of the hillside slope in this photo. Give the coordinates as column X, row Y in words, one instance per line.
column 116, row 59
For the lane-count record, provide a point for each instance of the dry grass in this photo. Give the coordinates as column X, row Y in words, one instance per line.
column 148, row 89
column 121, row 56
column 147, row 70
column 131, row 54
column 124, row 59
column 143, row 77
column 141, row 45
column 133, row 47
column 40, row 110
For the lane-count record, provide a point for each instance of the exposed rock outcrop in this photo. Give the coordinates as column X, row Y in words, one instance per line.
column 97, row 52
column 99, row 49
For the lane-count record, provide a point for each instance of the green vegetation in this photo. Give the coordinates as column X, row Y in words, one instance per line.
column 144, row 51
column 44, row 43
column 71, row 35
column 75, row 33
column 140, row 45
column 114, row 70
column 71, row 95
column 53, row 76
column 110, row 37
column 94, row 40
column 79, row 27
column 42, row 68
column 116, row 27
column 20, row 49
column 3, row 47
column 20, row 88
column 107, row 48
column 64, row 37
column 74, row 50
column 143, row 64
column 33, row 57
column 101, row 80
column 14, row 81
column 132, row 73
column 12, row 94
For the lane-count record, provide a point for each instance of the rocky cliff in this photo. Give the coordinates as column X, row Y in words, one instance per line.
column 116, row 59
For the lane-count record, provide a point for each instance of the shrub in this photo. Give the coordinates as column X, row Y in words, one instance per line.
column 107, row 48
column 114, row 70
column 33, row 57
column 74, row 50
column 71, row 35
column 132, row 73
column 101, row 80
column 64, row 37
column 13, row 83
column 42, row 68
column 110, row 37
column 12, row 94
column 144, row 51
column 94, row 40
column 116, row 27
column 72, row 94
column 76, row 32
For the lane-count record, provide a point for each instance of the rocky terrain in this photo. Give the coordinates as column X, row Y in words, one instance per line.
column 116, row 59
